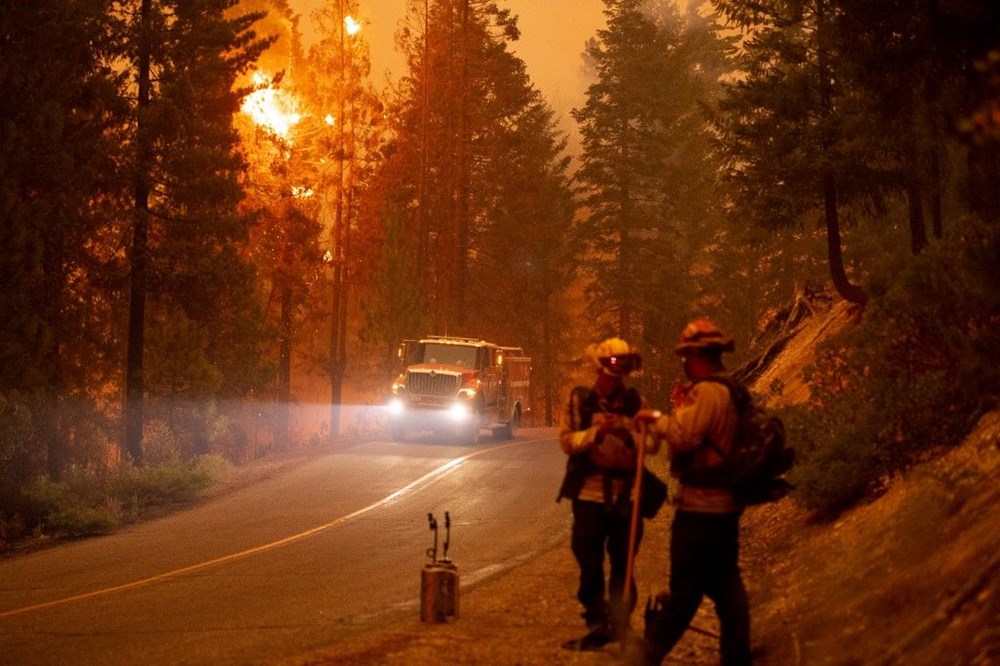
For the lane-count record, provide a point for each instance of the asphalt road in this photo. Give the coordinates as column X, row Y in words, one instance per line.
column 288, row 565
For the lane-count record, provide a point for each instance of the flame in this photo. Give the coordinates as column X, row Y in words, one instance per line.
column 351, row 25
column 273, row 109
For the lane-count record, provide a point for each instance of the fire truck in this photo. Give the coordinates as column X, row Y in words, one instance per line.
column 459, row 386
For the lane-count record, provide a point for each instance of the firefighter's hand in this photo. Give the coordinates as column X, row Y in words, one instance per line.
column 647, row 416
column 606, row 424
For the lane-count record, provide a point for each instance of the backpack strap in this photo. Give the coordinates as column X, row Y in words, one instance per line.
column 737, row 392
column 585, row 401
column 718, row 476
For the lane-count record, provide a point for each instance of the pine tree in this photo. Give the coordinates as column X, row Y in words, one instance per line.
column 783, row 124
column 185, row 262
column 473, row 196
column 60, row 118
column 332, row 81
column 913, row 62
column 644, row 168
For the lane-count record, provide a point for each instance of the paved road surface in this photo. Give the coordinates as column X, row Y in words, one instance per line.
column 289, row 564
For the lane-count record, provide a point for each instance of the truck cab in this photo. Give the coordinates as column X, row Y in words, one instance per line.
column 459, row 386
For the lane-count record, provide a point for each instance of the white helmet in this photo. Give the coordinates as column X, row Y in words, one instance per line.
column 615, row 357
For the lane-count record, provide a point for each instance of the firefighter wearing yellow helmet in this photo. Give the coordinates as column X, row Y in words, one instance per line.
column 704, row 543
column 599, row 437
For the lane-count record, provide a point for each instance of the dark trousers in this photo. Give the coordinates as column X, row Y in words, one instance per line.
column 597, row 529
column 704, row 560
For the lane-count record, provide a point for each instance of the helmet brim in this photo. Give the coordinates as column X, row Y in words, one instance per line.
column 621, row 365
column 725, row 344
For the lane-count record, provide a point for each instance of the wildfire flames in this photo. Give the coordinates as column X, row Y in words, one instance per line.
column 351, row 25
column 270, row 108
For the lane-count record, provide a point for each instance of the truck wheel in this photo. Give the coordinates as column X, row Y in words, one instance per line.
column 509, row 429
column 469, row 434
column 397, row 432
column 513, row 425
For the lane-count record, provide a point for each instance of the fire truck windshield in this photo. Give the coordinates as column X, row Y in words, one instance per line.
column 450, row 355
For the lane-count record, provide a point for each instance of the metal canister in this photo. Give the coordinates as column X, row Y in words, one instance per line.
column 439, row 592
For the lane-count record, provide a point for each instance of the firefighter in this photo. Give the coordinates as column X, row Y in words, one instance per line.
column 704, row 539
column 598, row 436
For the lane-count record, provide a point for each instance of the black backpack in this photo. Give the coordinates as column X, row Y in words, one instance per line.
column 759, row 458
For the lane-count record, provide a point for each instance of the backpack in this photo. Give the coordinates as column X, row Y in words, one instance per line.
column 759, row 457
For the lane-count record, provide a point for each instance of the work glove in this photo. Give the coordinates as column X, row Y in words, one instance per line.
column 646, row 417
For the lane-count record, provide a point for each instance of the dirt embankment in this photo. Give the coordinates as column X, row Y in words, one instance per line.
column 910, row 577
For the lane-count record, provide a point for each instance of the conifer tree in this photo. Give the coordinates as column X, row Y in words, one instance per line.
column 60, row 119
column 915, row 64
column 783, row 124
column 647, row 173
column 185, row 262
column 333, row 82
column 473, row 196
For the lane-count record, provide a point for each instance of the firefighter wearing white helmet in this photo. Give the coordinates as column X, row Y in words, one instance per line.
column 704, row 544
column 598, row 435
column 615, row 357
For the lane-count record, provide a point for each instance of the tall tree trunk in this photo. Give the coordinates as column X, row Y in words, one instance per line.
column 284, row 364
column 850, row 292
column 627, row 252
column 918, row 232
column 423, row 204
column 462, row 194
column 937, row 224
column 134, row 373
column 336, row 309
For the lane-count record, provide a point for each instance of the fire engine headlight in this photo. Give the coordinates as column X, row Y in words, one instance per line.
column 398, row 387
column 467, row 393
column 459, row 411
column 396, row 407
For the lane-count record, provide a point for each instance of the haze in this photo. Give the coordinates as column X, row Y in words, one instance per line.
column 553, row 34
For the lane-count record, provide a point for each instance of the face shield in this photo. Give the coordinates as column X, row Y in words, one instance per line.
column 620, row 364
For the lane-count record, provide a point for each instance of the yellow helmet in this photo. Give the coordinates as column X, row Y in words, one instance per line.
column 703, row 334
column 615, row 357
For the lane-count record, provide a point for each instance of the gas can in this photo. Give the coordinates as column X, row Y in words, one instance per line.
column 439, row 592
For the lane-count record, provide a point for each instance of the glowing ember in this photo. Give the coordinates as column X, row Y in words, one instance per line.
column 351, row 25
column 275, row 110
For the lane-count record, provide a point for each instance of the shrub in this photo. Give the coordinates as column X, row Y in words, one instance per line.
column 917, row 373
column 171, row 483
column 69, row 509
column 86, row 503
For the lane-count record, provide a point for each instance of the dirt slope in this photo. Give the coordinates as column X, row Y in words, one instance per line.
column 910, row 577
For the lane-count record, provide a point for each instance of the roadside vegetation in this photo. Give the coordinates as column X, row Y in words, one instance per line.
column 912, row 378
column 87, row 504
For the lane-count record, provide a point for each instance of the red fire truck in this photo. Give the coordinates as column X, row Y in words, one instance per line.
column 459, row 386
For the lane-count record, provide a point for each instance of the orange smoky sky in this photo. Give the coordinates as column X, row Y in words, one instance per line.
column 553, row 35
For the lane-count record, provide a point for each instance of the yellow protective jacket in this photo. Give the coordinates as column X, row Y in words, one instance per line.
column 707, row 412
column 600, row 469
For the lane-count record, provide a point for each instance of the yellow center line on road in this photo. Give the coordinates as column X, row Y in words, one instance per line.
column 422, row 482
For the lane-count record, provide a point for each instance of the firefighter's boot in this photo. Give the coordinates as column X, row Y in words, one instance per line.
column 598, row 636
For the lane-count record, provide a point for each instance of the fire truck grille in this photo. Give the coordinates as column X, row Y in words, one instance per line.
column 423, row 383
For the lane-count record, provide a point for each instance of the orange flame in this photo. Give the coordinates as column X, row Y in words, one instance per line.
column 274, row 110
